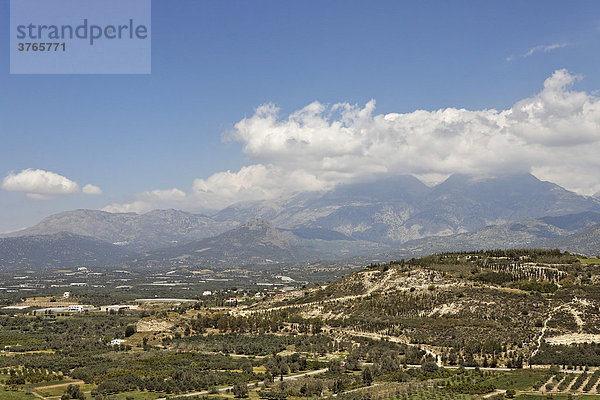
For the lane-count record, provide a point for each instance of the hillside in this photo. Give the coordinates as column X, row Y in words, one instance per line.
column 58, row 250
column 258, row 242
column 464, row 308
column 572, row 232
column 585, row 241
column 397, row 210
column 255, row 242
column 137, row 232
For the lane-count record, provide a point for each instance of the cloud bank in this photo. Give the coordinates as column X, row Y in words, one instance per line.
column 554, row 134
column 44, row 185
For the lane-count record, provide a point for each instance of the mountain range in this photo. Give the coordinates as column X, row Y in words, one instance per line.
column 578, row 233
column 58, row 250
column 400, row 209
column 136, row 232
column 388, row 218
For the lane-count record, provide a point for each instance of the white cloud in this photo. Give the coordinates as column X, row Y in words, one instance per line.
column 555, row 134
column 254, row 182
column 538, row 49
column 151, row 200
column 39, row 184
column 44, row 185
column 544, row 48
column 92, row 190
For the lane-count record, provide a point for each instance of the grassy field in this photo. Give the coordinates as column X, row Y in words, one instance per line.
column 140, row 395
column 9, row 395
column 556, row 396
column 590, row 260
column 65, row 381
column 435, row 393
column 518, row 380
column 18, row 341
column 59, row 390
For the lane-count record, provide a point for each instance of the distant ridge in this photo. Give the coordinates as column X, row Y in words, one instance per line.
column 137, row 232
column 578, row 233
column 255, row 242
column 585, row 241
column 58, row 250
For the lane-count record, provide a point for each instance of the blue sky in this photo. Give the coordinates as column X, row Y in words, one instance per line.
column 215, row 62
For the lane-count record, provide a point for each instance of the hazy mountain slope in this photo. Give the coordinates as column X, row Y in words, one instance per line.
column 573, row 222
column 572, row 232
column 462, row 204
column 508, row 198
column 57, row 250
column 525, row 234
column 139, row 232
column 373, row 211
column 397, row 210
column 258, row 242
column 255, row 242
column 374, row 215
column 585, row 241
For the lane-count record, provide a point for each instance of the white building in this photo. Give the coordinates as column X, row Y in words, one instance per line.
column 117, row 307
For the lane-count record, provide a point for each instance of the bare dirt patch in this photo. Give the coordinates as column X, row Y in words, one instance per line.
column 154, row 326
column 574, row 338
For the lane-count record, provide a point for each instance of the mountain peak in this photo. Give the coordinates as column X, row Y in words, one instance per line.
column 395, row 188
column 466, row 179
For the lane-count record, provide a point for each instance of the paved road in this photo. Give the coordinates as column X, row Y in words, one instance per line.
column 285, row 378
